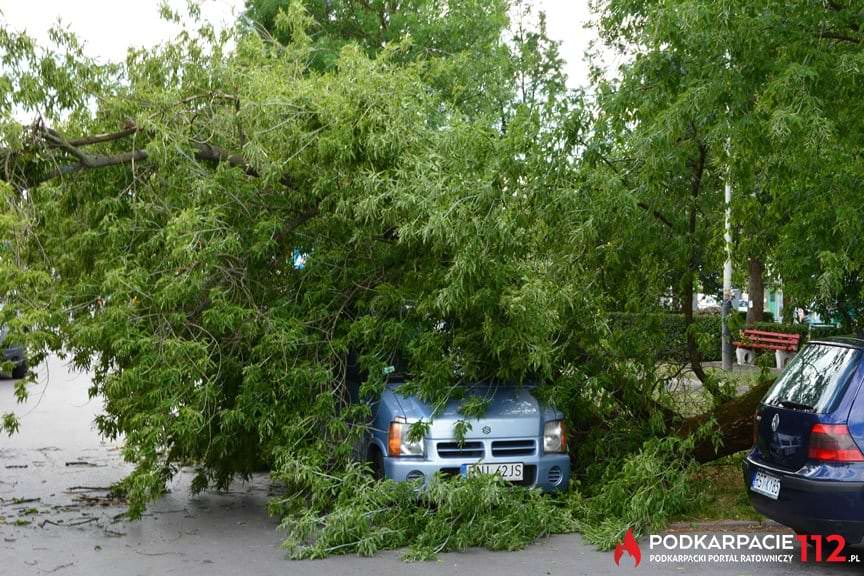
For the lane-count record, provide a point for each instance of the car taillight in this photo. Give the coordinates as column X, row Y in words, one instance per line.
column 833, row 443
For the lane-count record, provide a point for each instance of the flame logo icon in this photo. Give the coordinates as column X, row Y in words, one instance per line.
column 630, row 546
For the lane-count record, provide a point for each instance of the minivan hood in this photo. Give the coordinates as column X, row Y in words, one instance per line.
column 513, row 412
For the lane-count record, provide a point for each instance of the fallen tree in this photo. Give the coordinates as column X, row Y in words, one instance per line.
column 155, row 215
column 734, row 425
column 214, row 225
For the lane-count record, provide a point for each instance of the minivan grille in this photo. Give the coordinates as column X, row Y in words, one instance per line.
column 463, row 450
column 505, row 448
column 554, row 475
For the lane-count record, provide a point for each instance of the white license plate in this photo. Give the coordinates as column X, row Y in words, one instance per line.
column 766, row 485
column 513, row 471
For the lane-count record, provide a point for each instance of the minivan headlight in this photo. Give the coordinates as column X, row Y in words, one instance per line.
column 554, row 437
column 398, row 443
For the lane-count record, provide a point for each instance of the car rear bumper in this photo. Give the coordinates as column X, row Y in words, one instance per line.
column 549, row 472
column 809, row 505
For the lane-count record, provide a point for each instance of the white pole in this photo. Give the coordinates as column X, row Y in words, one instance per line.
column 727, row 274
column 726, row 339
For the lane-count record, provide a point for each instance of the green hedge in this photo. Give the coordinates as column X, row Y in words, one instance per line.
column 664, row 335
column 826, row 332
column 802, row 329
column 806, row 332
column 709, row 335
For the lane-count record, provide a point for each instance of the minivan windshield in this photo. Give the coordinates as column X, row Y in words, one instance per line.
column 814, row 378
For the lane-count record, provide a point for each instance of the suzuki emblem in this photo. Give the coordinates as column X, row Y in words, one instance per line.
column 775, row 422
column 486, row 429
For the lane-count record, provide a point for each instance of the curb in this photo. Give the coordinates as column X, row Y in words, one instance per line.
column 727, row 525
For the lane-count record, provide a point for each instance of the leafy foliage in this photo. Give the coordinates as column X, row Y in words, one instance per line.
column 643, row 492
column 770, row 93
column 457, row 45
column 351, row 513
column 632, row 330
column 458, row 210
column 154, row 230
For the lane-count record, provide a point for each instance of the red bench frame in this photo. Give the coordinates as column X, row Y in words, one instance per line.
column 769, row 340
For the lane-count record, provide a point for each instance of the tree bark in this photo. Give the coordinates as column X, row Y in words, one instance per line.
column 83, row 160
column 694, row 355
column 735, row 422
column 688, row 288
column 756, row 291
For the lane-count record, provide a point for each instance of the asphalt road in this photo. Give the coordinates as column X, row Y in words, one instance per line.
column 56, row 518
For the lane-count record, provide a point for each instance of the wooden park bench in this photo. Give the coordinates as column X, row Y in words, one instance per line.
column 784, row 345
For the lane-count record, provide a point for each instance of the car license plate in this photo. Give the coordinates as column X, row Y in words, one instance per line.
column 766, row 485
column 513, row 471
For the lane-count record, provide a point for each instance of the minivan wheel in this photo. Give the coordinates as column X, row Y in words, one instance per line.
column 376, row 459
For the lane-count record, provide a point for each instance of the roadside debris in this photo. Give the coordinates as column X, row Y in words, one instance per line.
column 15, row 501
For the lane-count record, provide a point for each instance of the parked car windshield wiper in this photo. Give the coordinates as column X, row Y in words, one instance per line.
column 795, row 405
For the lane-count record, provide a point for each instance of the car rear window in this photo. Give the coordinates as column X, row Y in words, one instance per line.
column 814, row 378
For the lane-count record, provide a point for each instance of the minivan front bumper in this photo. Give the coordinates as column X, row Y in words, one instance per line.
column 809, row 505
column 549, row 472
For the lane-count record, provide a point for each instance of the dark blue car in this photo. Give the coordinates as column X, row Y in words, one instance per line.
column 806, row 469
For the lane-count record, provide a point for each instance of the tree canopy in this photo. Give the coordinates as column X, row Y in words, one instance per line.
column 768, row 91
column 155, row 210
column 456, row 208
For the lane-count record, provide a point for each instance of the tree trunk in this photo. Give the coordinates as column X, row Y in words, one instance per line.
column 694, row 356
column 735, row 423
column 756, row 291
column 846, row 320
